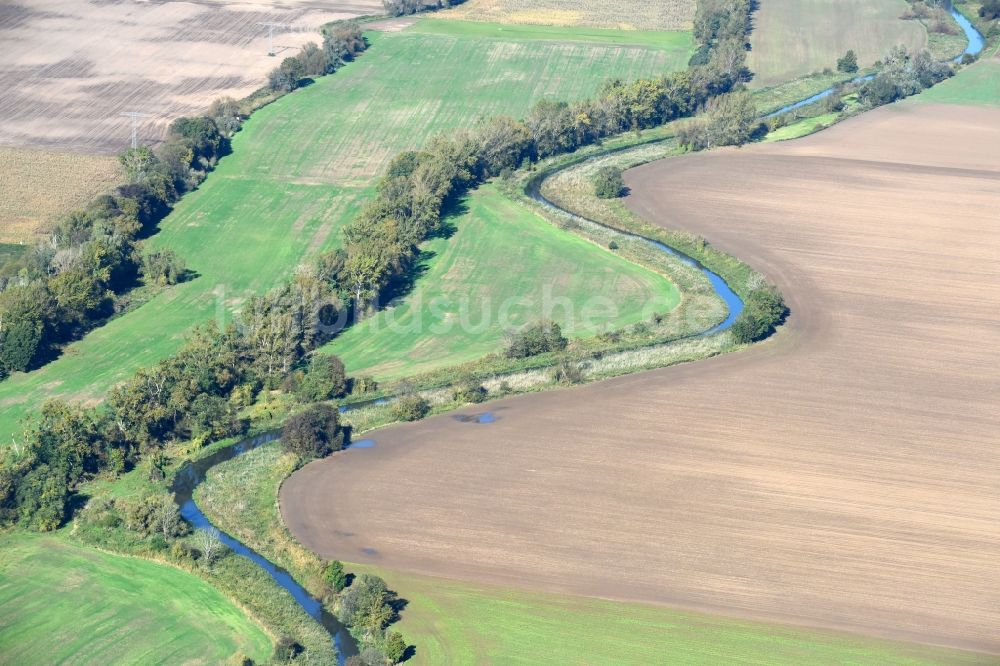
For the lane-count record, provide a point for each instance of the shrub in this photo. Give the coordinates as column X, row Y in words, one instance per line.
column 363, row 384
column 394, row 647
column 763, row 311
column 162, row 267
column 545, row 336
column 849, row 63
column 469, row 390
column 324, row 380
column 608, row 183
column 568, row 372
column 411, row 408
column 313, row 433
column 286, row 649
column 334, row 576
column 367, row 604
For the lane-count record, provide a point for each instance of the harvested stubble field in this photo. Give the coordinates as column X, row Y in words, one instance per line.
column 841, row 475
column 792, row 38
column 39, row 186
column 629, row 15
column 68, row 72
column 299, row 170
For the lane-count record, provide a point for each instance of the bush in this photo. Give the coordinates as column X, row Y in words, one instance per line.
column 545, row 336
column 394, row 647
column 162, row 267
column 324, row 380
column 367, row 605
column 286, row 649
column 313, row 433
column 469, row 390
column 762, row 312
column 568, row 372
column 608, row 183
column 363, row 384
column 334, row 576
column 411, row 408
column 848, row 64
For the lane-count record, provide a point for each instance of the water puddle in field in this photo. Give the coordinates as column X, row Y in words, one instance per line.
column 192, row 474
column 362, row 444
column 485, row 417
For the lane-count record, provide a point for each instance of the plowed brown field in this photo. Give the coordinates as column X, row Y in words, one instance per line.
column 843, row 474
column 70, row 67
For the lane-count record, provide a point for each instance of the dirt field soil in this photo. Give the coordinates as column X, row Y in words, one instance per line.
column 843, row 474
column 71, row 68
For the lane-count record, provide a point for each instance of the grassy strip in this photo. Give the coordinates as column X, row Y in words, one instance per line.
column 240, row 497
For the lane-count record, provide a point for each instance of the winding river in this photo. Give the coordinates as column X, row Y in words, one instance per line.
column 193, row 473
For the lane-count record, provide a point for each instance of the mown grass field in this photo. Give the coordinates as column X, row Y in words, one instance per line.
column 631, row 15
column 792, row 38
column 977, row 85
column 39, row 186
column 300, row 168
column 461, row 623
column 64, row 603
column 471, row 293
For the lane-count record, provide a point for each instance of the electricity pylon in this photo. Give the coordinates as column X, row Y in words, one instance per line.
column 270, row 34
column 135, row 115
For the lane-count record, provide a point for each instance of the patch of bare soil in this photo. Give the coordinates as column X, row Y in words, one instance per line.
column 69, row 67
column 843, row 474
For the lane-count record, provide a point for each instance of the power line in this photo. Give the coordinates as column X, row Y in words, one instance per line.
column 270, row 34
column 135, row 115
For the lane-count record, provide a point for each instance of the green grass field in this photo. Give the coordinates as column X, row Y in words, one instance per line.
column 300, row 168
column 460, row 623
column 792, row 38
column 471, row 292
column 61, row 603
column 977, row 85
